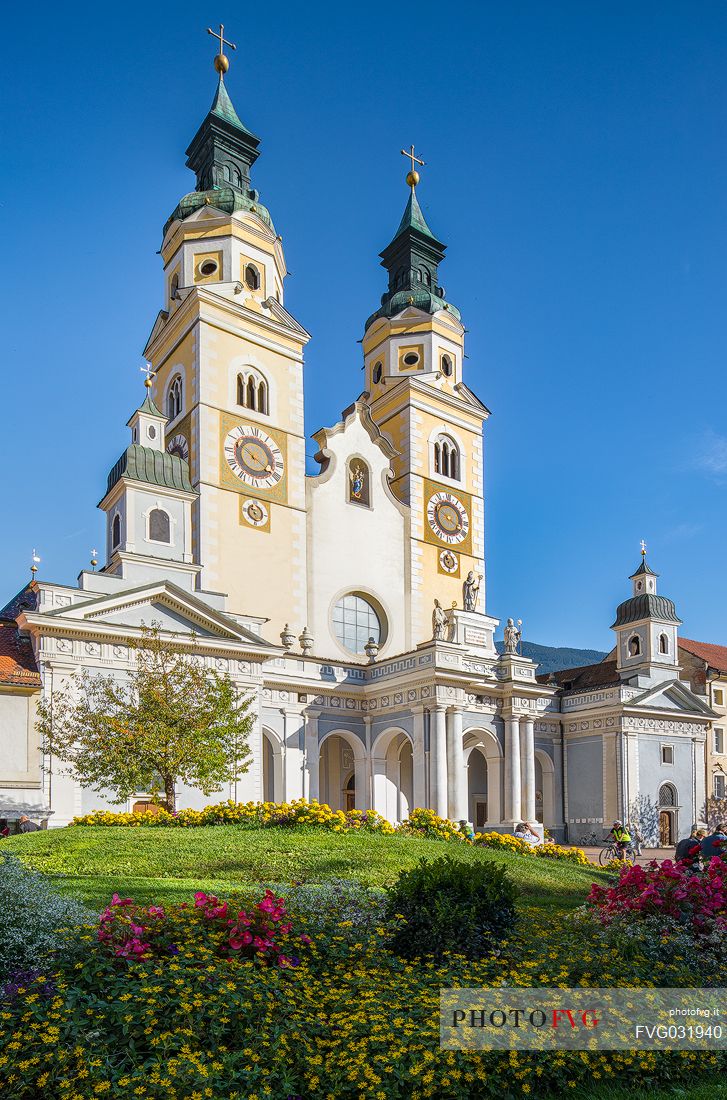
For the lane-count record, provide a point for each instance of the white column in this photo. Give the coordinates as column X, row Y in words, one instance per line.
column 438, row 756
column 312, row 756
column 457, row 774
column 527, row 752
column 512, row 769
column 418, row 759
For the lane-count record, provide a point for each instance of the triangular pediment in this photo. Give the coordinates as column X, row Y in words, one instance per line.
column 162, row 602
column 674, row 695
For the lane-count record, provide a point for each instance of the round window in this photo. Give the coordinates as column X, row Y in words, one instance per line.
column 377, row 372
column 447, row 367
column 208, row 267
column 355, row 620
column 252, row 277
column 411, row 359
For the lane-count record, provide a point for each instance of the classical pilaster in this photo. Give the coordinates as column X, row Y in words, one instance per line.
column 527, row 758
column 513, row 810
column 419, row 758
column 438, row 756
column 312, row 756
column 457, row 792
column 366, row 797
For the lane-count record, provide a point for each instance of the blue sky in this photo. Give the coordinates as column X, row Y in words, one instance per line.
column 576, row 168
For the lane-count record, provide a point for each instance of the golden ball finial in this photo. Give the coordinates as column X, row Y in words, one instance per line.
column 412, row 178
column 148, row 383
column 222, row 64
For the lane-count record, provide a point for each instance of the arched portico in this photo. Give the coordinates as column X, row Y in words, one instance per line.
column 392, row 771
column 342, row 771
column 544, row 788
column 483, row 760
column 273, row 783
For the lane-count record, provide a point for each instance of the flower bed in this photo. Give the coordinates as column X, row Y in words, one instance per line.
column 259, row 814
column 350, row 1022
column 549, row 850
column 669, row 890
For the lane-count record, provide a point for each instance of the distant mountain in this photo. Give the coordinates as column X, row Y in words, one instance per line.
column 553, row 658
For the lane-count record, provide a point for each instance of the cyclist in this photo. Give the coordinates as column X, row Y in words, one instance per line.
column 621, row 838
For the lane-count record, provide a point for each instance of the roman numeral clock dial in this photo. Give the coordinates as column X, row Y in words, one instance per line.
column 448, row 518
column 254, row 457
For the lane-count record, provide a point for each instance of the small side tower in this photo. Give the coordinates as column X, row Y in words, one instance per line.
column 646, row 630
column 148, row 506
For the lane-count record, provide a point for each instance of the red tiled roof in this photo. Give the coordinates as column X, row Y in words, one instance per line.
column 714, row 655
column 584, row 677
column 17, row 663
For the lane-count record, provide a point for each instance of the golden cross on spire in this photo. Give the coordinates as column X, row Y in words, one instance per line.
column 412, row 177
column 149, row 371
column 643, row 549
column 221, row 62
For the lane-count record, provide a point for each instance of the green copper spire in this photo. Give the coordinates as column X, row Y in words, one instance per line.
column 223, row 150
column 412, row 260
column 221, row 156
column 413, row 218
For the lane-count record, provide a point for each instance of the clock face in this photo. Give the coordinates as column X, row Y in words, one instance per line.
column 255, row 513
column 448, row 518
column 448, row 561
column 253, row 456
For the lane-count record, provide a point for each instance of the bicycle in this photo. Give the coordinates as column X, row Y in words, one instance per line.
column 612, row 852
column 590, row 840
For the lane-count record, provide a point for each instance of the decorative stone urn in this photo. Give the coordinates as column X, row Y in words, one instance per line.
column 287, row 637
column 306, row 641
column 371, row 650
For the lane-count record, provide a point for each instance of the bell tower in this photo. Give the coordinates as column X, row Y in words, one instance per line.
column 413, row 358
column 228, row 374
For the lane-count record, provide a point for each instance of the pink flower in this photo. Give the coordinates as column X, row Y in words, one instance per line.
column 116, row 900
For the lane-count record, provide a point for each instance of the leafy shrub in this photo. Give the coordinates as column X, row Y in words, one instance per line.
column 444, row 905
column 33, row 915
column 667, row 890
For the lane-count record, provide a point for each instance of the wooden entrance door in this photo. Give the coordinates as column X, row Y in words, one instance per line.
column 666, row 838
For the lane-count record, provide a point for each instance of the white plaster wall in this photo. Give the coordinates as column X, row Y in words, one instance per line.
column 354, row 548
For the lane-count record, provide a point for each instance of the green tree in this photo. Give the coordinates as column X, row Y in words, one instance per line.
column 170, row 720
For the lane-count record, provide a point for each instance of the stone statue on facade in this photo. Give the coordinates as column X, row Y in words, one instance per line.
column 471, row 590
column 512, row 637
column 439, row 622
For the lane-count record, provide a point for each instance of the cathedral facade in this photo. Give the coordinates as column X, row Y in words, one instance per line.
column 374, row 677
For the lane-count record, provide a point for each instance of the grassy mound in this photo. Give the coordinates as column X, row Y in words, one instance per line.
column 168, row 865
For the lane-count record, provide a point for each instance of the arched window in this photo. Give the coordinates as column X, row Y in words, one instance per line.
column 447, row 366
column 160, row 528
column 174, row 286
column 446, row 457
column 252, row 277
column 252, row 392
column 667, row 795
column 116, row 531
column 663, row 643
column 174, row 398
column 634, row 646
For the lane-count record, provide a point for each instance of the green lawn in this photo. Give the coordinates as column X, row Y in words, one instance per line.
column 170, row 864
